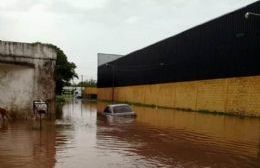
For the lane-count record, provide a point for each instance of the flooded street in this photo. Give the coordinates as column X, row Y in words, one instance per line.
column 80, row 138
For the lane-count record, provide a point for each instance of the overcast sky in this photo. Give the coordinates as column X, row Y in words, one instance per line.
column 83, row 28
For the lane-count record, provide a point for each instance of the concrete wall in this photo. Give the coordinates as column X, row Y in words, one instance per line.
column 90, row 90
column 26, row 74
column 16, row 87
column 90, row 93
column 239, row 96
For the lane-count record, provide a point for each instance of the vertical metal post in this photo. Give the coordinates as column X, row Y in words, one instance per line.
column 81, row 88
column 113, row 82
column 40, row 121
column 72, row 93
column 112, row 66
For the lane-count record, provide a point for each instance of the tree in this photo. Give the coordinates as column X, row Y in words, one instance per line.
column 88, row 83
column 64, row 70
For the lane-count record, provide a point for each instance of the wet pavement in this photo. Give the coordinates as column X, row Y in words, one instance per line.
column 80, row 137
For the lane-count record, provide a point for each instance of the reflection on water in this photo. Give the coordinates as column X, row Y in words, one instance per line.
column 81, row 137
column 166, row 137
column 22, row 145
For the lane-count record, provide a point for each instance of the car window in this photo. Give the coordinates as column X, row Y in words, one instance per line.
column 122, row 109
column 107, row 110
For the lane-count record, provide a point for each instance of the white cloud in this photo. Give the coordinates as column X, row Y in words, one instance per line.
column 7, row 3
column 86, row 4
column 132, row 20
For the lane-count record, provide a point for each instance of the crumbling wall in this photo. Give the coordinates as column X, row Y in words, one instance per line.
column 26, row 74
column 16, row 87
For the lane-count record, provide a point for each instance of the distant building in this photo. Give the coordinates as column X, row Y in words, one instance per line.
column 212, row 67
column 106, row 58
column 72, row 91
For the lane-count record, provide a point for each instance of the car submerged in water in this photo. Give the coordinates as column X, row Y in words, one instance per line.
column 119, row 110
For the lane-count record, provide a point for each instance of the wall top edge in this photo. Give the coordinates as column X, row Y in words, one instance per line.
column 39, row 50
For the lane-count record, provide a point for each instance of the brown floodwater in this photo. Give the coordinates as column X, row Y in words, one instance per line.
column 80, row 137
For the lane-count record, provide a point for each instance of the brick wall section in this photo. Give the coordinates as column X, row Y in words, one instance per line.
column 239, row 96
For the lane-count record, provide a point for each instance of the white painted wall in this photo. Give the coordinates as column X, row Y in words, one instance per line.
column 26, row 74
column 16, row 83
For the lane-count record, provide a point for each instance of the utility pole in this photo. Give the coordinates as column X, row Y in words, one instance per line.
column 81, row 86
column 112, row 66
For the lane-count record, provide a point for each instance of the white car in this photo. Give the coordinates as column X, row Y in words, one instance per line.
column 119, row 110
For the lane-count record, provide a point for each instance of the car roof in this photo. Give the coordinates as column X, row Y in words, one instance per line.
column 116, row 105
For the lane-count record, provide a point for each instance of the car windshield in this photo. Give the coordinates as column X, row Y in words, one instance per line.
column 122, row 109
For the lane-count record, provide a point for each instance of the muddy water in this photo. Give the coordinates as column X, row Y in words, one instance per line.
column 80, row 138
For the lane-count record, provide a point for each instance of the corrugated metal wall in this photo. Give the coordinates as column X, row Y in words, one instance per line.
column 228, row 46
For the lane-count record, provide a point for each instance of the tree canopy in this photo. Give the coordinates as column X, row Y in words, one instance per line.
column 88, row 83
column 64, row 70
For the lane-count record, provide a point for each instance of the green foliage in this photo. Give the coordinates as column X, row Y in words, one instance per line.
column 65, row 70
column 60, row 99
column 88, row 83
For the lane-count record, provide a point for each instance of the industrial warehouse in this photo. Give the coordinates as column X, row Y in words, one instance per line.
column 213, row 67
